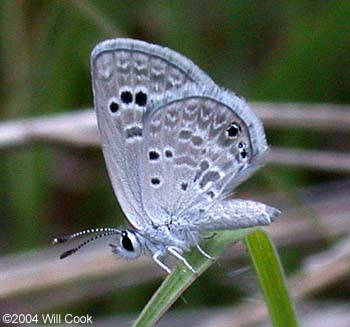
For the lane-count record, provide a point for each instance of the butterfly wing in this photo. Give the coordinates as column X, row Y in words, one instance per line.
column 127, row 74
column 199, row 144
column 235, row 214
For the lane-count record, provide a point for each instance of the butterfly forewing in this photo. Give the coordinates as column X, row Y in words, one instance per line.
column 127, row 76
column 197, row 140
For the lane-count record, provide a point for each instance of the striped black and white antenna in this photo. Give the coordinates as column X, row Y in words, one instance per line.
column 102, row 233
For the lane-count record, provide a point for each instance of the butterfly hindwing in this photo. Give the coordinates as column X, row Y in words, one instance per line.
column 197, row 142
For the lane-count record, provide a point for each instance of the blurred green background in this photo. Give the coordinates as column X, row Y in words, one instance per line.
column 274, row 51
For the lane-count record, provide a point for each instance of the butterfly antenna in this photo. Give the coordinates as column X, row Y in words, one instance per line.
column 112, row 231
column 66, row 238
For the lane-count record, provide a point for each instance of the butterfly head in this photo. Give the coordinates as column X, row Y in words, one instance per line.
column 129, row 246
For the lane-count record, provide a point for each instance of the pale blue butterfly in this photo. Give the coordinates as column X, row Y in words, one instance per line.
column 176, row 145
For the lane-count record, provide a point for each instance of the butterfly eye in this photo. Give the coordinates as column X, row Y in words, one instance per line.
column 113, row 107
column 126, row 97
column 233, row 130
column 126, row 242
column 141, row 99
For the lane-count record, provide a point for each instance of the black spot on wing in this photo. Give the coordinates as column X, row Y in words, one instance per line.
column 153, row 155
column 141, row 99
column 126, row 97
column 113, row 107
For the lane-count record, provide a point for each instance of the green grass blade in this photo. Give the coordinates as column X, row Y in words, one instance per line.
column 271, row 278
column 181, row 278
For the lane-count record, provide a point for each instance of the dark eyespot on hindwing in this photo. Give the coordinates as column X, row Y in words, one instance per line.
column 233, row 130
column 242, row 148
column 244, row 154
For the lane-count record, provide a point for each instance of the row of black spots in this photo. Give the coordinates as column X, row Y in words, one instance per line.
column 140, row 98
column 155, row 155
column 127, row 97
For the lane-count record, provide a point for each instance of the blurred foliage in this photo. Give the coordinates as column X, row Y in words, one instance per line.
column 267, row 51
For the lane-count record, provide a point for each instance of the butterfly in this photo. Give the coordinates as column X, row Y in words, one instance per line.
column 176, row 145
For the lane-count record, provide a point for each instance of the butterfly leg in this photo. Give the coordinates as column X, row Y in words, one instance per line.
column 208, row 256
column 173, row 251
column 161, row 264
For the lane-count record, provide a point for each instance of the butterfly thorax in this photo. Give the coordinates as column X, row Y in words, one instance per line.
column 160, row 237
